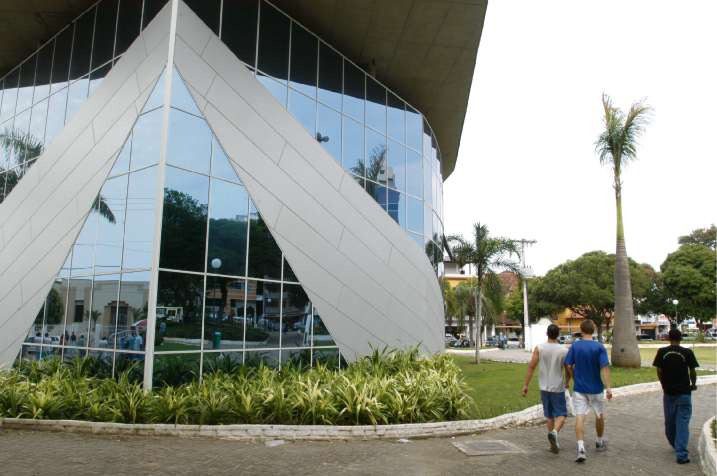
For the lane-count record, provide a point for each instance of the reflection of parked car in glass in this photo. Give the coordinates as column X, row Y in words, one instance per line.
column 565, row 339
column 460, row 343
column 491, row 341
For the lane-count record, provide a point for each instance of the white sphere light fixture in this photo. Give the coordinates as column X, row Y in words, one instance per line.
column 216, row 263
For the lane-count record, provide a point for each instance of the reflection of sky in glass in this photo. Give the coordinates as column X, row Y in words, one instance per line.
column 329, row 128
column 190, row 142
column 303, row 109
column 140, row 219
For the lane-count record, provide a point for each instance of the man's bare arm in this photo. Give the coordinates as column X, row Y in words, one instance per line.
column 605, row 375
column 531, row 369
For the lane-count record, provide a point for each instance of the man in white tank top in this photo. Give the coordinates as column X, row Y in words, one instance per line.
column 549, row 358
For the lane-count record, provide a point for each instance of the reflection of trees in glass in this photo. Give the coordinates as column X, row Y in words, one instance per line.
column 25, row 148
column 183, row 231
column 181, row 290
column 55, row 307
column 374, row 171
column 264, row 253
column 228, row 243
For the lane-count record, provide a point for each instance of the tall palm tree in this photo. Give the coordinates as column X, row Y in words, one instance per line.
column 22, row 149
column 616, row 146
column 487, row 254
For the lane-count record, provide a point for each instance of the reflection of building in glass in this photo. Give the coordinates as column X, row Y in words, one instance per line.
column 255, row 230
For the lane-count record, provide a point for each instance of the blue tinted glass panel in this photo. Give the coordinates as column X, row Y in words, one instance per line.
column 397, row 207
column 110, row 231
column 414, row 173
column 27, row 83
column 97, row 76
column 228, row 219
column 139, row 226
column 330, row 76
column 414, row 129
column 353, row 147
column 378, row 192
column 277, row 89
column 304, row 51
column 105, row 291
column 396, row 118
column 121, row 164
column 9, row 95
column 37, row 123
column 304, row 110
column 354, row 91
column 190, row 142
column 146, row 139
column 414, row 215
column 220, row 163
column 329, row 131
column 181, row 97
column 55, row 115
column 375, row 105
column 184, row 220
column 396, row 172
column 76, row 96
column 83, row 249
column 375, row 157
column 295, row 316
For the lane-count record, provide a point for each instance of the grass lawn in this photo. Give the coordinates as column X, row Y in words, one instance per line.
column 705, row 355
column 495, row 386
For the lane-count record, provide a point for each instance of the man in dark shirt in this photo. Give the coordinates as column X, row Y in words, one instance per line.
column 676, row 371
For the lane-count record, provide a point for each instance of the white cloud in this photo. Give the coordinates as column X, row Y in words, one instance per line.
column 527, row 166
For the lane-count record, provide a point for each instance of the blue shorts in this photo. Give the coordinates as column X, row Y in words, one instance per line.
column 554, row 404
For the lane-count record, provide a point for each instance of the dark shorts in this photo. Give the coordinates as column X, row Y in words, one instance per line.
column 553, row 404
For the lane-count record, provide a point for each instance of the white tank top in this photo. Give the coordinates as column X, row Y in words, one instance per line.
column 552, row 357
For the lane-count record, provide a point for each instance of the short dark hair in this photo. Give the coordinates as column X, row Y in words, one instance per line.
column 587, row 327
column 675, row 335
column 553, row 331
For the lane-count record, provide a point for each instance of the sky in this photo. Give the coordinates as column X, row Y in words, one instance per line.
column 527, row 166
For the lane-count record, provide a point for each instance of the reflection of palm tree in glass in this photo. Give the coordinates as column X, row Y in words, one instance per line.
column 374, row 171
column 24, row 148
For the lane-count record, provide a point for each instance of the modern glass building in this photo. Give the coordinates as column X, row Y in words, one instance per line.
column 210, row 178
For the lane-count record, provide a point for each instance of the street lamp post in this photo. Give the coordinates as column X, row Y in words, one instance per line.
column 675, row 302
column 526, row 272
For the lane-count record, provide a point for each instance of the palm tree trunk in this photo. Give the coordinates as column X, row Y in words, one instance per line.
column 625, row 352
column 479, row 311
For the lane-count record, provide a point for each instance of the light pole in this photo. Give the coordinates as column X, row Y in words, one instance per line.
column 675, row 302
column 526, row 273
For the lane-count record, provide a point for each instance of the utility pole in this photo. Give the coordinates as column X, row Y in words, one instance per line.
column 526, row 273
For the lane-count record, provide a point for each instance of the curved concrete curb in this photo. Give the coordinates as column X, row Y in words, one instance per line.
column 708, row 449
column 527, row 416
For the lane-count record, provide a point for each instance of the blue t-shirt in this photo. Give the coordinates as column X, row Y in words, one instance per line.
column 587, row 357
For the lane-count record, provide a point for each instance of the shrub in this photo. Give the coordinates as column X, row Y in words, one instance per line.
column 385, row 387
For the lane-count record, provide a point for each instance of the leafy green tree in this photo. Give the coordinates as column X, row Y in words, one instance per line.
column 689, row 276
column 701, row 236
column 537, row 308
column 616, row 146
column 585, row 286
column 487, row 255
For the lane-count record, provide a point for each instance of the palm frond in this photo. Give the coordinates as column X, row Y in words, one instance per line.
column 21, row 146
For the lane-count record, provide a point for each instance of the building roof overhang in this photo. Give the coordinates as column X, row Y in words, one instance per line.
column 425, row 50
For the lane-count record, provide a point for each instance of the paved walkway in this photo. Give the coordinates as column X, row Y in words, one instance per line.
column 634, row 429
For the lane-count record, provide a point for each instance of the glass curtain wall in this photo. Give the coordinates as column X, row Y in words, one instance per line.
column 234, row 294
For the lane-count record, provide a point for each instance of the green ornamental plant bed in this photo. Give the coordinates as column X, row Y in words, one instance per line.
column 384, row 388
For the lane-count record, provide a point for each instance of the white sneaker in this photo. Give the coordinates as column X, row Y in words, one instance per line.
column 553, row 439
column 581, row 456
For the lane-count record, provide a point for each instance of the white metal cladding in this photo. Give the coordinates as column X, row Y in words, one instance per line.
column 372, row 285
column 41, row 218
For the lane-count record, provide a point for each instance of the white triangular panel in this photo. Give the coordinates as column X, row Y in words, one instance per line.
column 42, row 217
column 373, row 285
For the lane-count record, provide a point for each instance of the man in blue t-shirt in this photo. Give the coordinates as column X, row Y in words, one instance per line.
column 589, row 367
